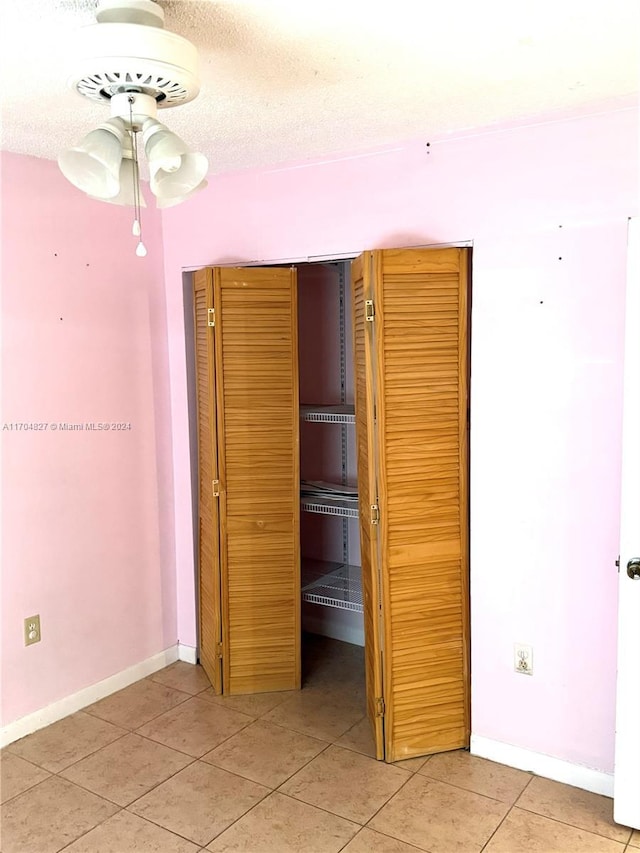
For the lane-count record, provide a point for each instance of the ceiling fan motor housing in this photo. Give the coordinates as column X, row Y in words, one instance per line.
column 129, row 51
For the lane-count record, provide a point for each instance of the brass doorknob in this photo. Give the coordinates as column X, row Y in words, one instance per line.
column 633, row 568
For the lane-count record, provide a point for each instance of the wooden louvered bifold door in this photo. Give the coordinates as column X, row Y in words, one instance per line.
column 363, row 339
column 420, row 378
column 208, row 520
column 258, row 441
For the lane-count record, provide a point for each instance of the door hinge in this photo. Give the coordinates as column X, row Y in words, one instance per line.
column 211, row 316
column 369, row 310
column 375, row 514
column 618, row 563
column 219, row 650
column 215, row 486
column 380, row 707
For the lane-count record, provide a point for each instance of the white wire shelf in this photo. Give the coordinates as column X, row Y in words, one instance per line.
column 332, row 584
column 330, row 506
column 329, row 414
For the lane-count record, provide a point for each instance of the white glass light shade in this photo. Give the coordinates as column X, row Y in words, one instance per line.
column 183, row 181
column 170, row 202
column 94, row 165
column 175, row 171
column 126, row 193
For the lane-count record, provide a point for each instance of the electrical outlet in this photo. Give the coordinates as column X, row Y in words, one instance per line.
column 32, row 630
column 523, row 659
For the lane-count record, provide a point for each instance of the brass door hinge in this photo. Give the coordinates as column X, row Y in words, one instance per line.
column 375, row 514
column 211, row 316
column 219, row 650
column 369, row 310
column 215, row 486
column 380, row 707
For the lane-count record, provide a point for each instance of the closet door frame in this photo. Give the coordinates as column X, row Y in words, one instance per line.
column 192, row 397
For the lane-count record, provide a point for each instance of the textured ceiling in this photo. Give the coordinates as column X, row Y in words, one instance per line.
column 291, row 79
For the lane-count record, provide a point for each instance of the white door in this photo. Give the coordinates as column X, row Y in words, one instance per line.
column 627, row 760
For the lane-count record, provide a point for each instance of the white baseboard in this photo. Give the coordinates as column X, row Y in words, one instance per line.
column 189, row 654
column 87, row 696
column 596, row 781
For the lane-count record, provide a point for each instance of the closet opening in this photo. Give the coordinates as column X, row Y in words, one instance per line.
column 330, row 573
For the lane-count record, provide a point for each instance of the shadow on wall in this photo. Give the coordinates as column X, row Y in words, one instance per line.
column 409, row 240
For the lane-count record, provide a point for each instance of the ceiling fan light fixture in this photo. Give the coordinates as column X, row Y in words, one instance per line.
column 128, row 60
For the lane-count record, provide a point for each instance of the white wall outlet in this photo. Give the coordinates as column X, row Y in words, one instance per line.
column 523, row 659
column 32, row 630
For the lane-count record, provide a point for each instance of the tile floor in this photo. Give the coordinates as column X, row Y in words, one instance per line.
column 167, row 767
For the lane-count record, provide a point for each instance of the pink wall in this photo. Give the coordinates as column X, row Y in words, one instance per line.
column 546, row 207
column 87, row 516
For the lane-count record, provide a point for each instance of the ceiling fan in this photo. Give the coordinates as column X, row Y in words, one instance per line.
column 127, row 60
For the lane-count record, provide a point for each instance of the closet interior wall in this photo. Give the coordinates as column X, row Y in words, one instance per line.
column 327, row 450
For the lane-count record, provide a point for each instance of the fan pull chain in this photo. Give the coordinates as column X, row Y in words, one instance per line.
column 136, row 229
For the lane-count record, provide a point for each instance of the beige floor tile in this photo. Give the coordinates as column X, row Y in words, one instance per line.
column 439, row 818
column 137, row 704
column 336, row 671
column 322, row 655
column 635, row 838
column 254, row 705
column 359, row 738
column 524, row 832
column 282, row 825
column 368, row 841
column 265, row 753
column 199, row 802
column 467, row 771
column 195, row 727
column 182, row 676
column 17, row 775
column 323, row 714
column 345, row 679
column 351, row 689
column 346, row 783
column 125, row 833
column 65, row 742
column 331, row 666
column 412, row 764
column 574, row 806
column 126, row 769
column 49, row 816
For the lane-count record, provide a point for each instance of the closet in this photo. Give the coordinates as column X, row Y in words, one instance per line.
column 407, row 441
